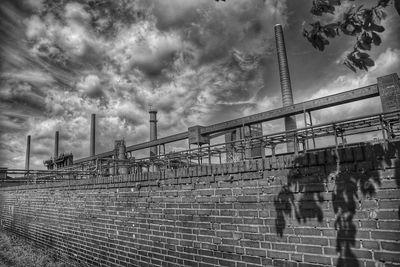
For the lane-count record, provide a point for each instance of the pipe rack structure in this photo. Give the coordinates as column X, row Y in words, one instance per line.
column 386, row 124
column 295, row 109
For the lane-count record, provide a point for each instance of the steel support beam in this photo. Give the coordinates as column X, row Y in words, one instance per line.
column 311, row 105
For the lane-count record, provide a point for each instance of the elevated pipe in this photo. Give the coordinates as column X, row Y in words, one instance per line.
column 286, row 88
column 92, row 135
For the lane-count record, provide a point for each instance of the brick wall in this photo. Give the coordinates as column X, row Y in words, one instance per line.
column 323, row 208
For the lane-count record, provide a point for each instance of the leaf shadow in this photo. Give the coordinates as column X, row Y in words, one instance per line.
column 302, row 197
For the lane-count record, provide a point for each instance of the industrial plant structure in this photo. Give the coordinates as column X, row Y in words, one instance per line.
column 244, row 137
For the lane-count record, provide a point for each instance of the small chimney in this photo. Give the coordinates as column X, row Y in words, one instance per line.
column 93, row 135
column 153, row 131
column 28, row 152
column 56, row 140
column 286, row 87
column 120, row 153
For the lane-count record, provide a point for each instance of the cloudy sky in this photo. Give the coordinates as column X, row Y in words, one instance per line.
column 63, row 60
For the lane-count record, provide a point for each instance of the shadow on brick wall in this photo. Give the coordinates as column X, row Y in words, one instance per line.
column 303, row 195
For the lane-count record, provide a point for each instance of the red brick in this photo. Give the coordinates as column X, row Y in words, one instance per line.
column 370, row 244
column 307, row 231
column 247, row 243
column 251, row 259
column 387, row 256
column 317, row 259
column 389, row 225
column 393, row 246
column 256, row 252
column 386, row 235
column 283, row 246
column 309, row 249
column 277, row 254
column 314, row 241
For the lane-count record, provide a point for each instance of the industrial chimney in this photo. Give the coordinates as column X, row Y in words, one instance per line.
column 153, row 131
column 286, row 88
column 92, row 135
column 56, row 140
column 120, row 153
column 28, row 152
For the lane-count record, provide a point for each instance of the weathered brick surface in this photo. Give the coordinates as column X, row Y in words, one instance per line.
column 290, row 211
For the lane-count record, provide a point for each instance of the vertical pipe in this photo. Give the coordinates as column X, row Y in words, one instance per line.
column 312, row 131
column 286, row 88
column 335, row 131
column 153, row 131
column 28, row 152
column 56, row 140
column 209, row 155
column 93, row 135
column 305, row 142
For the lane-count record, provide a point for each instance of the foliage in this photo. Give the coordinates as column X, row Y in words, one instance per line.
column 362, row 23
column 15, row 251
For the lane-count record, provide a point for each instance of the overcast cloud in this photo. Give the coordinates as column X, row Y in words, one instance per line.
column 63, row 60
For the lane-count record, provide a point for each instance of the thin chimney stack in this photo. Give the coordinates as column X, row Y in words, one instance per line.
column 153, row 131
column 56, row 142
column 93, row 135
column 286, row 88
column 28, row 152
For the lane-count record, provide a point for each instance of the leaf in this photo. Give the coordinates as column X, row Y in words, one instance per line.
column 364, row 46
column 368, row 62
column 368, row 17
column 366, row 38
column 349, row 65
column 316, row 11
column 359, row 8
column 330, row 32
column 383, row 3
column 397, row 6
column 335, row 2
column 376, row 39
column 318, row 43
column 363, row 55
column 377, row 28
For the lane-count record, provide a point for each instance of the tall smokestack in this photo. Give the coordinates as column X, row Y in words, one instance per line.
column 28, row 152
column 56, row 140
column 153, row 131
column 92, row 135
column 286, row 87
